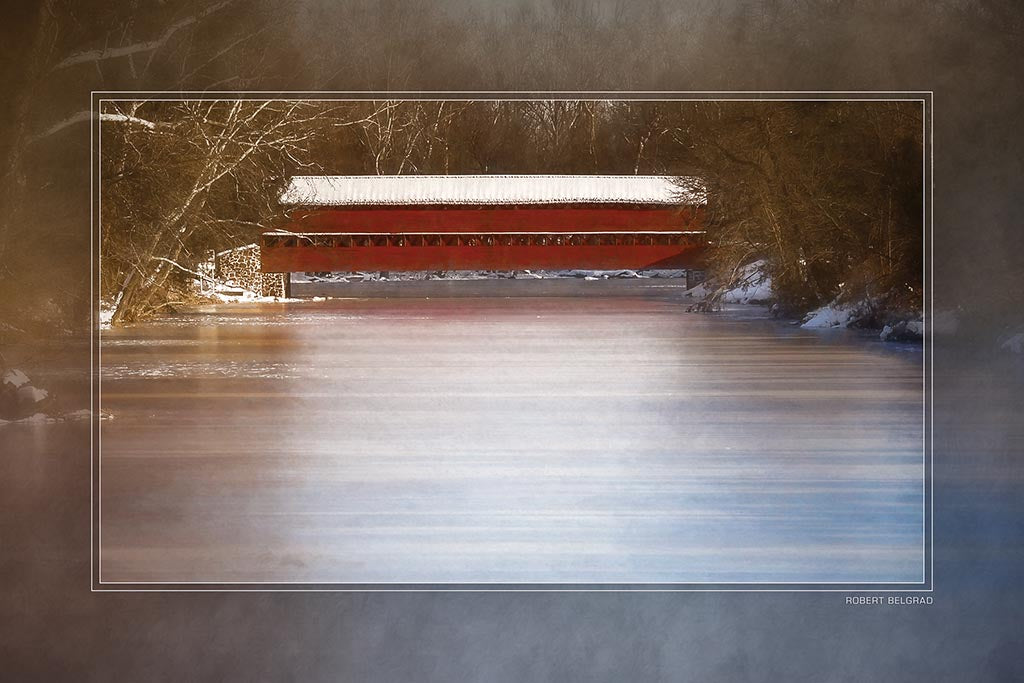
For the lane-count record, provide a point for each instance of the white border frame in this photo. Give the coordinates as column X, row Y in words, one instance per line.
column 926, row 585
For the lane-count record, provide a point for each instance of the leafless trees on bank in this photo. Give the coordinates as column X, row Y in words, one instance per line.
column 827, row 193
column 181, row 177
column 55, row 51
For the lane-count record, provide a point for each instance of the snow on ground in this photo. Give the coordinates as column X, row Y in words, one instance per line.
column 31, row 394
column 700, row 291
column 830, row 315
column 903, row 330
column 16, row 378
column 851, row 314
column 44, row 418
column 53, row 418
column 107, row 309
column 35, row 418
column 233, row 296
column 752, row 286
column 19, row 399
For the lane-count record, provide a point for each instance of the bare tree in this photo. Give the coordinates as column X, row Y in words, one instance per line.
column 827, row 193
column 179, row 177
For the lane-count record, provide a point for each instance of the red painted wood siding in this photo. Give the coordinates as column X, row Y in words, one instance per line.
column 494, row 219
column 455, row 238
column 496, row 257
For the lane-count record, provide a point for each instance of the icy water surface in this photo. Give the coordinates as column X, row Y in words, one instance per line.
column 510, row 440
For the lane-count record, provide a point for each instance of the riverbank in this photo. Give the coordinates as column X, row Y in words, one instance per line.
column 753, row 285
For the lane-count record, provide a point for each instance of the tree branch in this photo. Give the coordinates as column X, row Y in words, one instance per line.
column 92, row 56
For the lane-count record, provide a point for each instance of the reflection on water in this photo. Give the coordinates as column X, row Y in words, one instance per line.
column 507, row 440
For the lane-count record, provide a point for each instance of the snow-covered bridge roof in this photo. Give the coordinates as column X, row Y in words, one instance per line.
column 486, row 190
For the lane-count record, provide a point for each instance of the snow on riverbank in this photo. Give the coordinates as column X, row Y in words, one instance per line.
column 752, row 285
column 49, row 418
column 234, row 296
column 107, row 309
column 906, row 326
column 21, row 402
column 19, row 399
column 903, row 330
column 831, row 315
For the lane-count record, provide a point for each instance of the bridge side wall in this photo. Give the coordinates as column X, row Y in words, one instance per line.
column 388, row 238
column 387, row 219
column 408, row 258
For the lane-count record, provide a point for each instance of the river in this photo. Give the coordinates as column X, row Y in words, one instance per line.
column 507, row 439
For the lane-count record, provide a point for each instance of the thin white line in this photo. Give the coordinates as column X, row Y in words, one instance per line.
column 93, row 422
column 666, row 179
column 931, row 354
column 475, row 232
column 476, row 99
column 99, row 334
column 768, row 94
column 512, row 583
column 509, row 590
column 924, row 358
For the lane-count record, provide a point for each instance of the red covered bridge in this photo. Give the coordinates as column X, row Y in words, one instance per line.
column 474, row 222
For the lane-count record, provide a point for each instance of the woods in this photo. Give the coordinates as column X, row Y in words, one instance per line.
column 63, row 48
column 827, row 194
column 183, row 177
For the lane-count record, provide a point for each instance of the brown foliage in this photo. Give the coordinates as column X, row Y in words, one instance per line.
column 828, row 193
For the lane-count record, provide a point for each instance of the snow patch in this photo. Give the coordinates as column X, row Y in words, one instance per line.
column 830, row 315
column 232, row 295
column 752, row 285
column 902, row 326
column 107, row 309
column 903, row 330
column 16, row 378
column 31, row 394
column 700, row 291
column 43, row 418
column 84, row 414
column 224, row 252
column 491, row 189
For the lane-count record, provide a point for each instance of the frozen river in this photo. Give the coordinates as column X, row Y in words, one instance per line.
column 593, row 439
